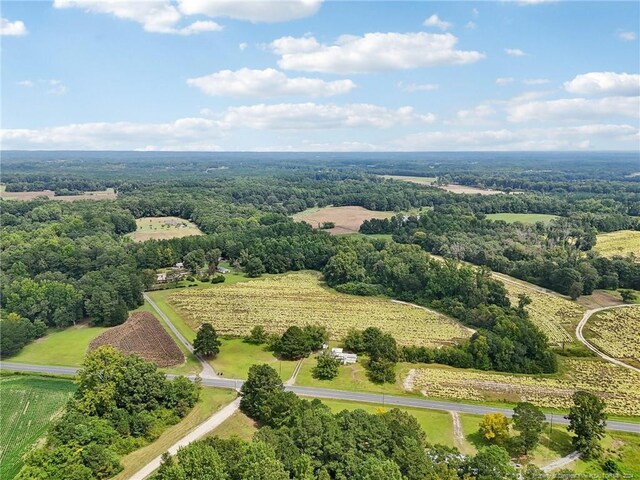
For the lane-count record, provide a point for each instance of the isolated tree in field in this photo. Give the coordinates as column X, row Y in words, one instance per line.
column 381, row 371
column 207, row 343
column 258, row 336
column 293, row 345
column 262, row 382
column 494, row 428
column 254, row 267
column 587, row 421
column 529, row 421
column 326, row 368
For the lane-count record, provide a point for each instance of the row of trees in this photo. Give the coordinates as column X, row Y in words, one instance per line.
column 121, row 403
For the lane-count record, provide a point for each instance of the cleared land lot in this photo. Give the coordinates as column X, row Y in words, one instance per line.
column 28, row 406
column 418, row 180
column 162, row 228
column 522, row 217
column 550, row 312
column 346, row 219
column 623, row 242
column 142, row 334
column 618, row 386
column 469, row 190
column 616, row 333
column 278, row 302
column 108, row 194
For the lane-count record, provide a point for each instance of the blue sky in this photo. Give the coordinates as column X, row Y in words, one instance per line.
column 311, row 75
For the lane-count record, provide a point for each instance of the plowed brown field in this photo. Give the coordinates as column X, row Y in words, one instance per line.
column 143, row 335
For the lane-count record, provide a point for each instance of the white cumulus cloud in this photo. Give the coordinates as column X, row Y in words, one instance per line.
column 267, row 83
column 296, row 116
column 252, row 11
column 435, row 21
column 514, row 52
column 609, row 83
column 502, row 81
column 16, row 28
column 372, row 52
column 627, row 36
column 156, row 16
column 575, row 109
column 418, row 87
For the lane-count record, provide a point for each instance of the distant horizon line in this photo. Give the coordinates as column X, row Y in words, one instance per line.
column 323, row 151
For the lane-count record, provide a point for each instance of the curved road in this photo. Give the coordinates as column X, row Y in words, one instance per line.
column 314, row 392
column 581, row 338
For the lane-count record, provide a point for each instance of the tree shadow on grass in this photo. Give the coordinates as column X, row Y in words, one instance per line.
column 477, row 440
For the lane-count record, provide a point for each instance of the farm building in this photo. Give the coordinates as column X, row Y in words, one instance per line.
column 179, row 265
column 220, row 269
column 174, row 223
column 344, row 357
column 161, row 278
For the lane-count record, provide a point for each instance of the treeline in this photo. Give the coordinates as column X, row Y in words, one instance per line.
column 558, row 256
column 121, row 404
column 304, row 440
column 62, row 262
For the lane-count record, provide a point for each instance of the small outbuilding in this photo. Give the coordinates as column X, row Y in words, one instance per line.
column 345, row 357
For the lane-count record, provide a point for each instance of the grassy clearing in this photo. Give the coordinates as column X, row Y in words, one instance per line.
column 346, row 219
column 108, row 194
column 236, row 357
column 28, row 405
column 522, row 217
column 238, row 425
column 615, row 332
column 161, row 228
column 624, row 448
column 622, row 242
column 211, row 400
column 405, row 178
column 299, row 298
column 64, row 348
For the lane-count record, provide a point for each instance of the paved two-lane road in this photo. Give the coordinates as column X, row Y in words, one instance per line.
column 391, row 400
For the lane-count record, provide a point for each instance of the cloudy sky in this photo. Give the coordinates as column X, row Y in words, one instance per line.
column 320, row 76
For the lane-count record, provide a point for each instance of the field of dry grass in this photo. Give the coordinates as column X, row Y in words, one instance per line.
column 108, row 194
column 346, row 219
column 163, row 228
column 622, row 242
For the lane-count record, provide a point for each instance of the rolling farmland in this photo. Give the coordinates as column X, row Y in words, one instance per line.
column 617, row 385
column 143, row 335
column 623, row 242
column 616, row 332
column 550, row 312
column 346, row 219
column 298, row 299
column 28, row 405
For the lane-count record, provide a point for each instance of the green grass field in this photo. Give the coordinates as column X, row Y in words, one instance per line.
column 238, row 425
column 160, row 228
column 623, row 242
column 211, row 400
column 236, row 357
column 521, row 217
column 66, row 348
column 28, row 404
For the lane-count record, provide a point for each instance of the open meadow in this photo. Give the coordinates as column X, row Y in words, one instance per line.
column 346, row 219
column 406, row 178
column 616, row 333
column 29, row 404
column 529, row 218
column 281, row 301
column 163, row 228
column 622, row 242
column 108, row 194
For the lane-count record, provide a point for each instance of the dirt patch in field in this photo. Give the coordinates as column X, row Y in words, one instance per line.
column 346, row 219
column 142, row 334
column 108, row 194
column 469, row 190
column 599, row 299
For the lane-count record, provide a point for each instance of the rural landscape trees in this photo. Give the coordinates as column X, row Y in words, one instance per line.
column 206, row 342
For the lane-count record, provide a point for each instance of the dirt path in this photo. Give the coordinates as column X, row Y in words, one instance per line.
column 207, row 369
column 561, row 462
column 581, row 338
column 409, row 381
column 458, row 435
column 200, row 431
column 294, row 375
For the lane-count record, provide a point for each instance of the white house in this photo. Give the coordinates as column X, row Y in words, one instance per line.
column 161, row 278
column 220, row 269
column 344, row 357
column 179, row 265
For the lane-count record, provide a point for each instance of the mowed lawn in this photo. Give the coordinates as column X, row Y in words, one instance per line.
column 162, row 228
column 346, row 219
column 64, row 348
column 622, row 242
column 529, row 218
column 28, row 405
